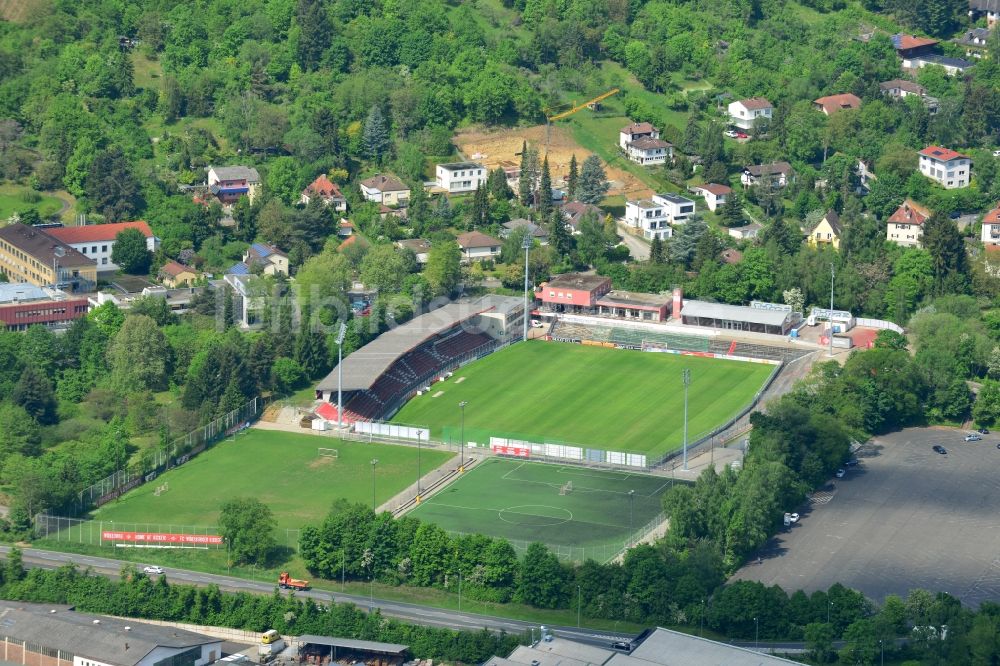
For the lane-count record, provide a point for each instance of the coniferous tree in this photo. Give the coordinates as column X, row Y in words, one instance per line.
column 732, row 210
column 314, row 33
column 573, row 179
column 375, row 135
column 559, row 237
column 529, row 174
column 545, row 191
column 112, row 187
column 944, row 243
column 228, row 309
column 656, row 251
column 34, row 393
column 480, row 212
column 497, row 185
column 593, row 181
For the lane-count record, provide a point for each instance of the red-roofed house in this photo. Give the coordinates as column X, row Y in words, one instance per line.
column 905, row 226
column 327, row 190
column 745, row 112
column 946, row 167
column 96, row 241
column 174, row 274
column 713, row 193
column 991, row 228
column 909, row 45
column 642, row 144
column 477, row 246
column 833, row 103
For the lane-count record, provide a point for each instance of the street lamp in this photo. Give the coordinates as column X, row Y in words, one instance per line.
column 527, row 246
column 686, row 379
column 832, row 275
column 631, row 504
column 756, row 633
column 579, row 605
column 340, row 374
column 419, row 435
column 461, row 459
column 828, row 607
column 374, row 462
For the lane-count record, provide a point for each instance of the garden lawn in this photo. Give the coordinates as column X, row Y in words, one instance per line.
column 281, row 469
column 611, row 399
column 13, row 200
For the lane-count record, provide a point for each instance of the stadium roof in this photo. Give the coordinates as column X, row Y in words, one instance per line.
column 367, row 364
column 672, row 648
column 352, row 644
column 706, row 310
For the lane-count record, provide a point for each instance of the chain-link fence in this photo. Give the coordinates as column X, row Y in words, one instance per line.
column 176, row 453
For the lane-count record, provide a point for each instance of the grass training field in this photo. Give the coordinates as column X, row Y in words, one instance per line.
column 612, row 399
column 281, row 469
column 521, row 501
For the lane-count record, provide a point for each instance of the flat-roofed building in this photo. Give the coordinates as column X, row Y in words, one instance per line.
column 573, row 292
column 23, row 305
column 31, row 255
column 458, row 177
column 634, row 305
column 776, row 320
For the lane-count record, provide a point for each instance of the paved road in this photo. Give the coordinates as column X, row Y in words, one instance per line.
column 412, row 613
column 637, row 247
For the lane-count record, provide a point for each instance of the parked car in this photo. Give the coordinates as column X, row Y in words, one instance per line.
column 851, row 463
column 841, row 472
column 536, row 324
column 623, row 646
column 152, row 569
column 732, row 134
column 939, row 449
column 973, row 437
column 983, row 431
column 793, row 517
column 742, row 135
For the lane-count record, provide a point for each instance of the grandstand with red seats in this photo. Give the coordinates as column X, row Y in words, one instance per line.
column 381, row 376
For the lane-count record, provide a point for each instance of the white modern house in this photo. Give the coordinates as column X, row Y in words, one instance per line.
column 952, row 66
column 97, row 241
column 991, row 228
column 778, row 174
column 656, row 215
column 715, row 195
column 946, row 167
column 458, row 177
column 745, row 112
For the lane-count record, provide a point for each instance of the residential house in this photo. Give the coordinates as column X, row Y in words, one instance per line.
column 776, row 173
column 537, row 232
column 746, row 232
column 385, row 189
column 989, row 8
column 575, row 211
column 828, row 231
column 31, row 255
column 952, row 66
column 946, row 167
column 745, row 113
column 833, row 103
column 642, row 144
column 97, row 241
column 459, row 177
column 174, row 274
column 420, row 247
column 905, row 226
column 714, row 194
column 902, row 88
column 974, row 41
column 327, row 190
column 656, row 215
column 991, row 228
column 261, row 258
column 477, row 246
column 251, row 301
column 908, row 46
column 230, row 183
column 345, row 228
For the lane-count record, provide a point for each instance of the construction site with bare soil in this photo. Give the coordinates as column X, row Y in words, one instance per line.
column 502, row 148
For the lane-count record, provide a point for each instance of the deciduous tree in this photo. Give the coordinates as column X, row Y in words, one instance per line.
column 247, row 526
column 130, row 252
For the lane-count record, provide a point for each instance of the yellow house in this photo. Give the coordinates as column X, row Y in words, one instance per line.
column 174, row 275
column 827, row 231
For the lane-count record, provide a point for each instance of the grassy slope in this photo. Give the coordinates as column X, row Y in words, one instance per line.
column 606, row 398
column 11, row 201
column 521, row 501
column 282, row 470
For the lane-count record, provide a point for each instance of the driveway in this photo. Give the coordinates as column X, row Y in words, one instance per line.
column 637, row 247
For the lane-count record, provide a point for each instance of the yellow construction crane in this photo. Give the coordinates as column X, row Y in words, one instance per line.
column 565, row 114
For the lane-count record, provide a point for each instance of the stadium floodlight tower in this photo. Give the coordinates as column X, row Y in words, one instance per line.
column 832, row 276
column 686, row 378
column 527, row 246
column 340, row 374
column 461, row 444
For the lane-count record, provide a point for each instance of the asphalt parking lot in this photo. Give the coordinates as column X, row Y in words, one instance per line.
column 904, row 518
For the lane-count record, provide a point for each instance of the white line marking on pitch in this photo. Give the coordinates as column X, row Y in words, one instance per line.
column 437, row 394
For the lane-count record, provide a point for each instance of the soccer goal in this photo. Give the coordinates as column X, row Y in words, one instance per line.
column 328, row 453
column 161, row 489
column 566, row 488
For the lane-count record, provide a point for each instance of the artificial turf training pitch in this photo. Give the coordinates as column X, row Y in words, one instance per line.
column 281, row 469
column 611, row 399
column 525, row 502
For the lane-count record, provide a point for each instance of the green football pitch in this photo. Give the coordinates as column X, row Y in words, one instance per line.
column 578, row 512
column 610, row 399
column 281, row 469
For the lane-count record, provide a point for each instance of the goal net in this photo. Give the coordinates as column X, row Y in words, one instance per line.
column 566, row 488
column 328, row 453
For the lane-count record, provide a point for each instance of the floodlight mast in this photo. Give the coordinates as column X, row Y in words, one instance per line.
column 341, row 332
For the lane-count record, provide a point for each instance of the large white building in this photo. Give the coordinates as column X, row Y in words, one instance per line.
column 946, row 167
column 97, row 241
column 745, row 113
column 657, row 215
column 459, row 177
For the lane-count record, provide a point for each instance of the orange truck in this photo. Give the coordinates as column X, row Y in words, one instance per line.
column 286, row 582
